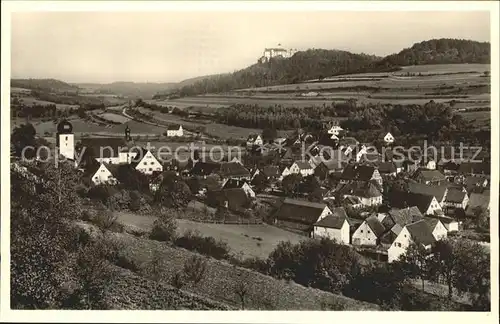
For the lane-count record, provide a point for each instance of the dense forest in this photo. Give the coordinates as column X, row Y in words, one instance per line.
column 320, row 63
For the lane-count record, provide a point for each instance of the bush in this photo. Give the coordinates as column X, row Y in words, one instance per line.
column 164, row 229
column 204, row 245
column 195, row 268
column 106, row 220
column 178, row 280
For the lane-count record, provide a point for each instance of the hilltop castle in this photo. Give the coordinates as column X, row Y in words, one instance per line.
column 276, row 52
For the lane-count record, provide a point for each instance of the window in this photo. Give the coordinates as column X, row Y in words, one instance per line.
column 398, row 244
column 361, row 231
column 152, row 163
column 66, row 138
column 368, row 231
column 150, row 169
column 145, row 163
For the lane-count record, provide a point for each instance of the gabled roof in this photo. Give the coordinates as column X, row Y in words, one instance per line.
column 429, row 190
column 348, row 141
column 358, row 172
column 234, row 183
column 431, row 222
column 421, row 233
column 335, row 220
column 476, row 168
column 455, row 196
column 402, row 216
column 233, row 169
column 401, row 199
column 391, row 234
column 111, row 146
column 174, row 127
column 236, row 198
column 366, row 190
column 205, row 168
column 375, row 225
column 299, row 211
column 429, row 175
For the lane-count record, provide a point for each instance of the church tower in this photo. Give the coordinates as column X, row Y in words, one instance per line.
column 66, row 140
column 127, row 134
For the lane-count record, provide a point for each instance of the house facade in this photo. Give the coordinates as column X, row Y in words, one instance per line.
column 103, row 176
column 302, row 168
column 333, row 225
column 418, row 232
column 369, row 232
column 254, row 140
column 175, row 131
column 335, row 130
column 388, row 138
column 149, row 164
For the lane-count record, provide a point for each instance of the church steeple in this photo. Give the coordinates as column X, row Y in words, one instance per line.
column 127, row 134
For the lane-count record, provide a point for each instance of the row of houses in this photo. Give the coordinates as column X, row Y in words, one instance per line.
column 390, row 232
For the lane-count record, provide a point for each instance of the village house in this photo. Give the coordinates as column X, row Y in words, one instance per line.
column 388, row 169
column 254, row 140
column 335, row 226
column 476, row 183
column 438, row 191
column 474, row 168
column 284, row 171
column 234, row 199
column 439, row 231
column 451, row 224
column 426, row 176
column 102, row 173
column 147, row 163
column 301, row 167
column 175, row 131
column 241, row 184
column 204, row 169
column 418, row 232
column 111, row 150
column 367, row 193
column 356, row 172
column 369, row 232
column 300, row 215
column 456, row 199
column 335, row 130
column 270, row 172
column 348, row 144
column 401, row 217
column 428, row 205
column 234, row 170
column 388, row 138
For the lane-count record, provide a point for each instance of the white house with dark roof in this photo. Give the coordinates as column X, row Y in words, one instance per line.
column 102, row 174
column 369, row 232
column 237, row 183
column 147, row 163
column 300, row 215
column 439, row 231
column 253, row 140
column 334, row 225
column 388, row 138
column 110, row 150
column 175, row 131
column 335, row 130
column 301, row 167
column 418, row 232
column 456, row 198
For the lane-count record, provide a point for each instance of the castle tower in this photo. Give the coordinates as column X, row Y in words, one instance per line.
column 65, row 140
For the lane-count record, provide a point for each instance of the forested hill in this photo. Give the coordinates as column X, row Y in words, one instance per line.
column 306, row 65
column 318, row 63
column 47, row 85
column 440, row 51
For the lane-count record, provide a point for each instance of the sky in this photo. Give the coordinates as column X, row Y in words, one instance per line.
column 172, row 46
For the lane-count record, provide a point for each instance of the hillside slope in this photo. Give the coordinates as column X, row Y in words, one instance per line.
column 319, row 63
column 47, row 85
column 310, row 64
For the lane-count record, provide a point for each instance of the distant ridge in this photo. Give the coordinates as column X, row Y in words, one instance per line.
column 320, row 63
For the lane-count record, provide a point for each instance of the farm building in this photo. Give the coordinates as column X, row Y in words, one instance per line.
column 428, row 205
column 204, row 169
column 418, row 232
column 234, row 170
column 147, row 163
column 438, row 191
column 335, row 226
column 439, row 231
column 402, row 217
column 175, row 131
column 300, row 215
column 369, row 232
column 102, row 173
column 427, row 176
column 456, row 198
column 241, row 184
column 254, row 140
column 301, row 167
column 451, row 224
column 360, row 173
